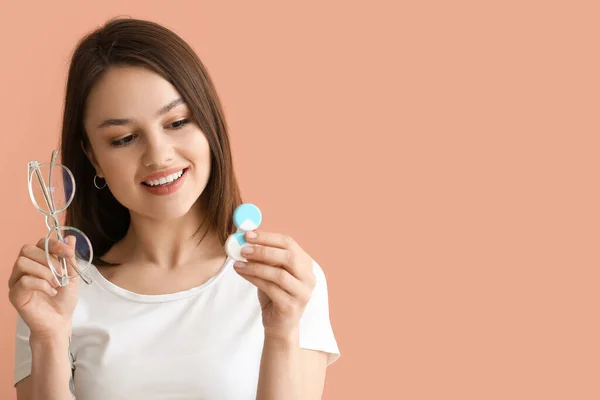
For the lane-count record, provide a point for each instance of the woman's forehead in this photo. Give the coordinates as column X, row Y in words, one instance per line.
column 129, row 92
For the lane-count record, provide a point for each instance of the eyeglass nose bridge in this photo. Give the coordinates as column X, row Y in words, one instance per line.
column 52, row 222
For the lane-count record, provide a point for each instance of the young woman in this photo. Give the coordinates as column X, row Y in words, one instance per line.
column 167, row 315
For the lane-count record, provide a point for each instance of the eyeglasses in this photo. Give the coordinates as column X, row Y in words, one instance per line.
column 52, row 188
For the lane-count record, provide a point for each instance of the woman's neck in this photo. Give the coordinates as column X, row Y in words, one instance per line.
column 167, row 244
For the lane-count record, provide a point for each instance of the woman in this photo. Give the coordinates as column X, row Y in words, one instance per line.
column 167, row 315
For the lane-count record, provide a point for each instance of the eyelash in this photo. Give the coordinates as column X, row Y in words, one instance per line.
column 128, row 139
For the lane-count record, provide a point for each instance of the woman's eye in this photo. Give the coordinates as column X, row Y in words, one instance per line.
column 179, row 124
column 128, row 139
column 123, row 141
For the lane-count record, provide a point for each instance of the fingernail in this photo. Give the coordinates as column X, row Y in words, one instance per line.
column 54, row 292
column 239, row 264
column 247, row 249
column 251, row 235
column 54, row 283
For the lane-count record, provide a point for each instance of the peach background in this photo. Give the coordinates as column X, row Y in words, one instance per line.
column 439, row 159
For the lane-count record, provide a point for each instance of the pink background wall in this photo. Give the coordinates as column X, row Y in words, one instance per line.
column 439, row 160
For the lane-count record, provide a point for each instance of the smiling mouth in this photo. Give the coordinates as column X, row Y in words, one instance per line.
column 165, row 181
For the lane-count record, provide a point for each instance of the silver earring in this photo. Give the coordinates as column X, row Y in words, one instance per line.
column 96, row 183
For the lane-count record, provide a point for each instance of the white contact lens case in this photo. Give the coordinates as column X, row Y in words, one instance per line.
column 246, row 217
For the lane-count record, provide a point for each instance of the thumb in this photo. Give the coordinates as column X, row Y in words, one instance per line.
column 72, row 266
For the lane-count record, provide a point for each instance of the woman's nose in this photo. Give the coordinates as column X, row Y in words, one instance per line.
column 159, row 150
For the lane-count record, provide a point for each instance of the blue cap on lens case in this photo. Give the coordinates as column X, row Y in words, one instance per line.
column 246, row 217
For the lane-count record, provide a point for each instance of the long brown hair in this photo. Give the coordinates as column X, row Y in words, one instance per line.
column 133, row 42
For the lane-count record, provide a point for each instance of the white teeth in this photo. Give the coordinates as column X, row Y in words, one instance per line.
column 166, row 179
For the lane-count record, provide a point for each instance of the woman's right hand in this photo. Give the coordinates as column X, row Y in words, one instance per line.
column 43, row 305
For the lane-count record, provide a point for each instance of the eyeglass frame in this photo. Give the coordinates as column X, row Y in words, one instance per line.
column 33, row 168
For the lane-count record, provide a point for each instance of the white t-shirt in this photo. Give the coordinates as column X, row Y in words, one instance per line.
column 202, row 343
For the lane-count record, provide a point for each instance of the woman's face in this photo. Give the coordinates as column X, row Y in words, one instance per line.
column 143, row 137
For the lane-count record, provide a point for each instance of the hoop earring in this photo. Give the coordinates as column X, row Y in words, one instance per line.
column 96, row 183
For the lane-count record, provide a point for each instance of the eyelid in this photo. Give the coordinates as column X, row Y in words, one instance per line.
column 113, row 142
column 178, row 118
column 182, row 122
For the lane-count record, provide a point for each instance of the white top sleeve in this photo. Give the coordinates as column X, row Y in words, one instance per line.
column 316, row 332
column 23, row 352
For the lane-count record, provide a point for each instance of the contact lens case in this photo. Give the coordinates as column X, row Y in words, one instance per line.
column 246, row 217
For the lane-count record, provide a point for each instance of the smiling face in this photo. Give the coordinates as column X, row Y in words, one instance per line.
column 145, row 143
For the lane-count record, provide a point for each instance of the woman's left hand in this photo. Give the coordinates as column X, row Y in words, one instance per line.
column 283, row 274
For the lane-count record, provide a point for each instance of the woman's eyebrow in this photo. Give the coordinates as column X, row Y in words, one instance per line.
column 127, row 121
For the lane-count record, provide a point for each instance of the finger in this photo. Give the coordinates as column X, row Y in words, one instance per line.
column 27, row 266
column 271, row 256
column 60, row 250
column 272, row 290
column 279, row 258
column 286, row 243
column 72, row 265
column 278, row 276
column 271, row 239
column 33, row 253
column 57, row 248
column 28, row 284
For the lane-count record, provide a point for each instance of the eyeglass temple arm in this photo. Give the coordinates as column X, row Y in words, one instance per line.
column 47, row 197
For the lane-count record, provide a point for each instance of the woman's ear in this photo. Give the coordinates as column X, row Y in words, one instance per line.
column 90, row 155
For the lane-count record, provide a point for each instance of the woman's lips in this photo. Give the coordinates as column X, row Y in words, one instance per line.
column 169, row 188
column 162, row 174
